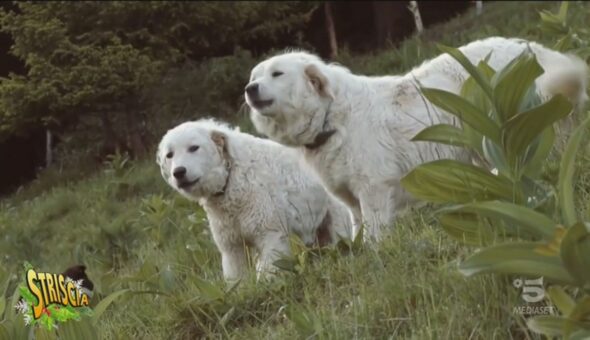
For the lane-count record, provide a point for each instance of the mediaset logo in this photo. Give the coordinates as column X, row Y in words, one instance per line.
column 533, row 293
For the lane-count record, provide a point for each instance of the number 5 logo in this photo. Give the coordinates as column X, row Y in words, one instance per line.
column 533, row 291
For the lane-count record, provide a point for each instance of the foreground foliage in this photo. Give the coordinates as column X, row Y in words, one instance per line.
column 505, row 124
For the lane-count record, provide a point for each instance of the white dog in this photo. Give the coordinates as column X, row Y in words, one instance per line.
column 255, row 193
column 355, row 130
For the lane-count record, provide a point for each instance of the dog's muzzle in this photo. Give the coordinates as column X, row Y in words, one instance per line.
column 253, row 94
column 184, row 184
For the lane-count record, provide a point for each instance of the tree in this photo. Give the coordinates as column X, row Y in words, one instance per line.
column 72, row 77
column 331, row 30
column 95, row 64
column 478, row 7
column 417, row 18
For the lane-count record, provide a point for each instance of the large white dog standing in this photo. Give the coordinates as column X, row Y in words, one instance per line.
column 355, row 130
column 255, row 193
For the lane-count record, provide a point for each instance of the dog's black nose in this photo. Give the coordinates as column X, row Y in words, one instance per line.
column 179, row 172
column 252, row 89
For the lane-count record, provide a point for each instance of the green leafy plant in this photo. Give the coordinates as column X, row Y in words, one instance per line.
column 505, row 124
column 118, row 164
column 568, row 37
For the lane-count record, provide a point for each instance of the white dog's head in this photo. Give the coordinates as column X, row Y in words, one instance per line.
column 193, row 158
column 289, row 96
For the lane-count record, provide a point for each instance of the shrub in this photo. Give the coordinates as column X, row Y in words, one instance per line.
column 507, row 126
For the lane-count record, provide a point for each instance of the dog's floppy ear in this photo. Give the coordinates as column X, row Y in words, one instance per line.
column 220, row 140
column 318, row 80
column 159, row 155
column 163, row 167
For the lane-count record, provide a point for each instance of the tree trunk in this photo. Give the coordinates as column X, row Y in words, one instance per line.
column 331, row 30
column 112, row 142
column 133, row 125
column 137, row 144
column 48, row 148
column 417, row 18
column 478, row 7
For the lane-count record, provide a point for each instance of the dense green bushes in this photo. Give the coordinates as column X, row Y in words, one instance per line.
column 110, row 75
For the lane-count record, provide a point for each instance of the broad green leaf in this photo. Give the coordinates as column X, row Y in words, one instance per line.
column 445, row 134
column 531, row 99
column 553, row 23
column 102, row 306
column 495, row 156
column 473, row 71
column 471, row 89
column 472, row 92
column 527, row 219
column 512, row 82
column 445, row 181
column 516, row 258
column 464, row 110
column 227, row 316
column 565, row 185
column 561, row 299
column 539, row 194
column 581, row 310
column 564, row 43
column 580, row 334
column 579, row 319
column 522, row 129
column 549, row 18
column 575, row 252
column 209, row 290
column 485, row 63
column 286, row 263
column 534, row 164
column 552, row 248
column 466, row 228
column 547, row 325
column 304, row 320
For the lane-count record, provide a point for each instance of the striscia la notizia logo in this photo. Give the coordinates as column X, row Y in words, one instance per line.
column 48, row 298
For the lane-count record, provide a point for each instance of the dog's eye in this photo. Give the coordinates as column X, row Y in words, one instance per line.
column 169, row 154
column 277, row 73
column 193, row 148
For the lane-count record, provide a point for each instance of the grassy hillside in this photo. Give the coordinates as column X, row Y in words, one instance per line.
column 132, row 231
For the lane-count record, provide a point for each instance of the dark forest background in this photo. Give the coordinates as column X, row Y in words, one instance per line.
column 102, row 78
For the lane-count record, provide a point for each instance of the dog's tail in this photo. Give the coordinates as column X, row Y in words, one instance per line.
column 568, row 77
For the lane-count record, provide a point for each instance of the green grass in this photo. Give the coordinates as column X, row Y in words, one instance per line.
column 132, row 231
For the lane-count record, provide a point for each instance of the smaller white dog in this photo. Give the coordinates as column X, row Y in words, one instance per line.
column 255, row 193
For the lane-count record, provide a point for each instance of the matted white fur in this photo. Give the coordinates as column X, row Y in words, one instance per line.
column 255, row 193
column 355, row 130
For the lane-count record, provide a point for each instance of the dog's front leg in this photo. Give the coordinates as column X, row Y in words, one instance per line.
column 353, row 204
column 273, row 246
column 233, row 262
column 377, row 207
